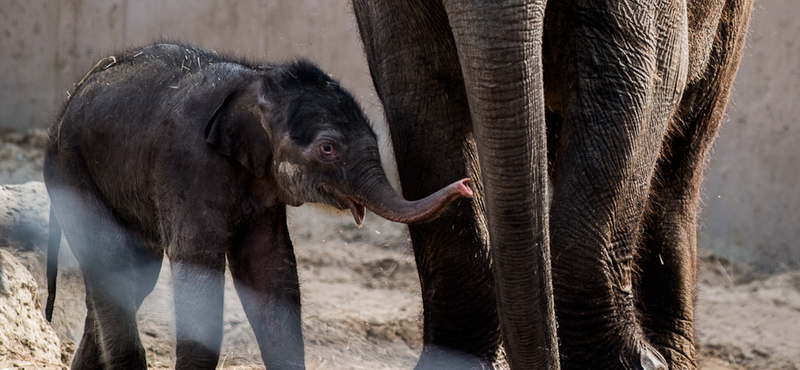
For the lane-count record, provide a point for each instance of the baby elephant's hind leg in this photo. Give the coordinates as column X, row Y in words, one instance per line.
column 118, row 270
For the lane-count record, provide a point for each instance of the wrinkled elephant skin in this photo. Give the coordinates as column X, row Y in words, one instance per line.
column 616, row 103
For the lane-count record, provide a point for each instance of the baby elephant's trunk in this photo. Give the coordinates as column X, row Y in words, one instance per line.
column 384, row 201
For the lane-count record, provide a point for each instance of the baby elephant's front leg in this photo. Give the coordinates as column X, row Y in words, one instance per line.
column 199, row 291
column 197, row 260
column 264, row 271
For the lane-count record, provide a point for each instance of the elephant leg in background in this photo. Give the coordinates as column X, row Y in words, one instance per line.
column 141, row 279
column 197, row 257
column 88, row 354
column 119, row 270
column 264, row 270
column 622, row 68
column 415, row 68
column 669, row 259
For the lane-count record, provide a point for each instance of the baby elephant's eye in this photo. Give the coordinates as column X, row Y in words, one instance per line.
column 328, row 152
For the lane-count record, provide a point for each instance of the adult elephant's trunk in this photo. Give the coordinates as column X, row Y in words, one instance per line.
column 500, row 50
column 375, row 193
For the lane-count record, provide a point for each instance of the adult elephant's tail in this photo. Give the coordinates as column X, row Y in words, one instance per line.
column 53, row 246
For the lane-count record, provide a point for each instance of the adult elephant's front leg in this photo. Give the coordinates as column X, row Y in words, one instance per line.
column 621, row 70
column 417, row 75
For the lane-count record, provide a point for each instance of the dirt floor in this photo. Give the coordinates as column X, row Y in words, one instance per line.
column 361, row 306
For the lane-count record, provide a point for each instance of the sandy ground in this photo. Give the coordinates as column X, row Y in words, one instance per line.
column 361, row 306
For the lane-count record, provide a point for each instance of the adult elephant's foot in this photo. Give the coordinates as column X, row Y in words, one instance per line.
column 634, row 355
column 650, row 359
column 679, row 351
column 441, row 358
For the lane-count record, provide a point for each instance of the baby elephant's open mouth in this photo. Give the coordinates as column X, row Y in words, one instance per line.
column 358, row 211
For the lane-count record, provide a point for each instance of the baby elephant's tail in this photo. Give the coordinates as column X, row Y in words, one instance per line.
column 53, row 246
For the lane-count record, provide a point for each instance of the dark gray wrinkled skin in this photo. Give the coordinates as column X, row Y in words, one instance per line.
column 172, row 149
column 617, row 102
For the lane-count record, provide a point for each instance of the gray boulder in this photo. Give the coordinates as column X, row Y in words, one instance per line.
column 25, row 336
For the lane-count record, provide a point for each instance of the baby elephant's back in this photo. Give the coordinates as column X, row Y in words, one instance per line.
column 136, row 112
column 139, row 94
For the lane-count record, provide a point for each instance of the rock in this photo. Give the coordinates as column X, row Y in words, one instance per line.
column 24, row 228
column 24, row 216
column 22, row 156
column 25, row 336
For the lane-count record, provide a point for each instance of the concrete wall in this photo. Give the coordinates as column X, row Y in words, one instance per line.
column 46, row 46
column 752, row 197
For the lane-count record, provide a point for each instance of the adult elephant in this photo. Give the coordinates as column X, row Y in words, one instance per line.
column 617, row 101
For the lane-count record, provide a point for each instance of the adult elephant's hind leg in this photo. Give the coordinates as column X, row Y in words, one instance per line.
column 415, row 68
column 669, row 260
column 619, row 72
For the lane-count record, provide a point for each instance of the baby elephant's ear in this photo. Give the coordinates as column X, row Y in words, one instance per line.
column 238, row 128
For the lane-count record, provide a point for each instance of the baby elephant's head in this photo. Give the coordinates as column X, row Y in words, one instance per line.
column 319, row 147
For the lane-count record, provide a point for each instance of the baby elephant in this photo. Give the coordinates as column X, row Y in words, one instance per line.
column 171, row 148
